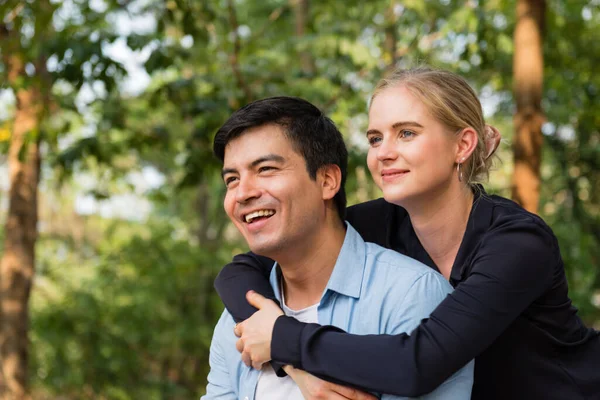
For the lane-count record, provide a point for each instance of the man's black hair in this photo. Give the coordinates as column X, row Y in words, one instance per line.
column 313, row 135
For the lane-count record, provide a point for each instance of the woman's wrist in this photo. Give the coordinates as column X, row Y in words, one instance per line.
column 285, row 341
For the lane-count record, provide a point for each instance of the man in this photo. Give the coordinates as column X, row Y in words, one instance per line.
column 284, row 166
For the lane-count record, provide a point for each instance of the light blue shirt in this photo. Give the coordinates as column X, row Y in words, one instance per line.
column 372, row 290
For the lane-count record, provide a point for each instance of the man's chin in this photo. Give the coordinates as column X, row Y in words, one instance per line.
column 261, row 250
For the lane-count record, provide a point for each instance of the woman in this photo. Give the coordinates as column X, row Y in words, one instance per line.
column 510, row 309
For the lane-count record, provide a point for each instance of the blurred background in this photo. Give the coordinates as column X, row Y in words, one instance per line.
column 111, row 200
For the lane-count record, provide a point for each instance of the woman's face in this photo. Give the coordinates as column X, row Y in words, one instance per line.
column 412, row 156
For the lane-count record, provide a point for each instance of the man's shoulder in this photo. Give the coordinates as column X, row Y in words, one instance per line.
column 390, row 268
column 223, row 334
column 381, row 257
column 399, row 290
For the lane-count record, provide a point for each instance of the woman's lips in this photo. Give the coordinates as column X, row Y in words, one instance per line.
column 390, row 175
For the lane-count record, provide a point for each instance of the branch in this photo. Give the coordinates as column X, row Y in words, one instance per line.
column 343, row 89
column 9, row 18
column 234, row 57
column 13, row 13
column 390, row 38
column 274, row 16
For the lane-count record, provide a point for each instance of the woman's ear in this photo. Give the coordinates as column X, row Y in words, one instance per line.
column 330, row 177
column 466, row 143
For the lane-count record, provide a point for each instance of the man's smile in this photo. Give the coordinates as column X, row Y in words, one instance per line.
column 257, row 215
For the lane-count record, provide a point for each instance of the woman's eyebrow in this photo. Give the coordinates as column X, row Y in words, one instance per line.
column 407, row 123
column 397, row 125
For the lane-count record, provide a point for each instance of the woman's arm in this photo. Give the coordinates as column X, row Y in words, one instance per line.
column 510, row 270
column 245, row 272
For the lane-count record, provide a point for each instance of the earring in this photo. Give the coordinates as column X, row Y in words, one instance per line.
column 459, row 169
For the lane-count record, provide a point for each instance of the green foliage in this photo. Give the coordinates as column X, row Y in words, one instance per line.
column 571, row 193
column 133, row 320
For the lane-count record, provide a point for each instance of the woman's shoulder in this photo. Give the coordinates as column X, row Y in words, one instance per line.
column 375, row 219
column 506, row 217
column 509, row 246
column 378, row 208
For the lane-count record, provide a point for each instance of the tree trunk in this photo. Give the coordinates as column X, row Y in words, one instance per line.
column 301, row 13
column 391, row 38
column 528, row 70
column 18, row 259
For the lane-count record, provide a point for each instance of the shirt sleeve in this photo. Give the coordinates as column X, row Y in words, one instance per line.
column 245, row 272
column 511, row 268
column 219, row 380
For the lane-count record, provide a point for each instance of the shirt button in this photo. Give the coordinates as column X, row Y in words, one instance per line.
column 246, row 398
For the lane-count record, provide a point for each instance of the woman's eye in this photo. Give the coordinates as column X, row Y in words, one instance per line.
column 406, row 134
column 373, row 140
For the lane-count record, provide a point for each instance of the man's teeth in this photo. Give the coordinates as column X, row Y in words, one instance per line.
column 259, row 213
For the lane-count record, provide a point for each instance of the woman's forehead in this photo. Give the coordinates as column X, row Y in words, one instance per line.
column 397, row 103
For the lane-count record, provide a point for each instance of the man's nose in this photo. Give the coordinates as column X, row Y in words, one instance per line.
column 247, row 190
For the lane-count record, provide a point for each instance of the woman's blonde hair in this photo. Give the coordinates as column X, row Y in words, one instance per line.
column 450, row 100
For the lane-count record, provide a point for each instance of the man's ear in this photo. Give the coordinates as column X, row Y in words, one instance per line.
column 466, row 144
column 330, row 178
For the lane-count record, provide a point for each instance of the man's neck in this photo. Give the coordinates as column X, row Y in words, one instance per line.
column 306, row 269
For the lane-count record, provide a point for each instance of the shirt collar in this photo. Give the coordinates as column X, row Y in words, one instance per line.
column 347, row 275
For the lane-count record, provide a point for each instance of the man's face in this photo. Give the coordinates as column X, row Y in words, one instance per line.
column 270, row 197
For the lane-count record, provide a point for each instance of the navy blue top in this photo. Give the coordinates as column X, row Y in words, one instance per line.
column 510, row 311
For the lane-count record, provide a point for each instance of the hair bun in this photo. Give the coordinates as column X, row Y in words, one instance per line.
column 492, row 140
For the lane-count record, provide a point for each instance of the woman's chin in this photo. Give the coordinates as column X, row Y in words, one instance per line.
column 394, row 198
column 404, row 198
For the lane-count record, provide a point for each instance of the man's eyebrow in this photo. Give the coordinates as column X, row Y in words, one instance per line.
column 397, row 125
column 269, row 157
column 226, row 171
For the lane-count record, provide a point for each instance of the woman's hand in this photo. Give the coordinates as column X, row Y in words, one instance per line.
column 255, row 333
column 313, row 388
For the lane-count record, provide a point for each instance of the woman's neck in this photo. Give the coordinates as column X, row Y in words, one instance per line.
column 440, row 223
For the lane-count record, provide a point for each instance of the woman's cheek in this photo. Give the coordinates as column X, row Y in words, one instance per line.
column 373, row 166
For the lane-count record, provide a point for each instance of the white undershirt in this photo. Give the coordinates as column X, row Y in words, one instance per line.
column 270, row 386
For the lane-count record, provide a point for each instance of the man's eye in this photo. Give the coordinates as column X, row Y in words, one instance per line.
column 229, row 180
column 265, row 168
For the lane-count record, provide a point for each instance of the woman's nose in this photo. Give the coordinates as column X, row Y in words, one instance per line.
column 387, row 150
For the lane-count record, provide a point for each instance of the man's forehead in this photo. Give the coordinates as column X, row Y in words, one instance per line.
column 244, row 157
column 257, row 142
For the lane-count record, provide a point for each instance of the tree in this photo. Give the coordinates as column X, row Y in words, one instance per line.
column 302, row 15
column 17, row 264
column 528, row 72
column 23, row 29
